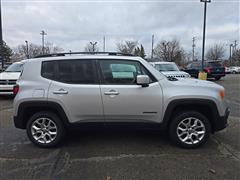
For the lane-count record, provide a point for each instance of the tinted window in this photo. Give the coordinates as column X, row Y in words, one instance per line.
column 122, row 72
column 77, row 72
column 196, row 65
column 70, row 71
column 48, row 69
column 214, row 64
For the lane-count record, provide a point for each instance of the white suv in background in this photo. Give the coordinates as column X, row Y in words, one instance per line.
column 234, row 69
column 170, row 69
column 9, row 77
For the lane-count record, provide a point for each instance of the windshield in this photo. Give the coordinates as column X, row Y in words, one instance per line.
column 15, row 67
column 166, row 67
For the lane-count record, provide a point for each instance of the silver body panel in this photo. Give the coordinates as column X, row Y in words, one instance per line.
column 118, row 103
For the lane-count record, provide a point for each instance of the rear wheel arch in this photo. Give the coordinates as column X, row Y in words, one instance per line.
column 27, row 109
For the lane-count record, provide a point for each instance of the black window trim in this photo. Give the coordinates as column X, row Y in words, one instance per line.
column 100, row 72
column 56, row 70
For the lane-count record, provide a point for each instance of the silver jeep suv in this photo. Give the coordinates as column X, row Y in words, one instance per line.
column 60, row 91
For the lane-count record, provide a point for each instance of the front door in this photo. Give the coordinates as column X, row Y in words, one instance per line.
column 123, row 99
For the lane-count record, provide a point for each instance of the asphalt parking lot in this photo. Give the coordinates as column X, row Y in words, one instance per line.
column 113, row 155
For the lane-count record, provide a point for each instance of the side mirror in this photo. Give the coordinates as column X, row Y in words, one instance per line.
column 143, row 80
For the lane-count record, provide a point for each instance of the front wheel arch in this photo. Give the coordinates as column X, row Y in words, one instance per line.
column 207, row 107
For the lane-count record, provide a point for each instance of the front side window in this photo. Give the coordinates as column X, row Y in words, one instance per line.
column 122, row 72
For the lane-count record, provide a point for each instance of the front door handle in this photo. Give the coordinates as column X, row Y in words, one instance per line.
column 111, row 92
column 60, row 91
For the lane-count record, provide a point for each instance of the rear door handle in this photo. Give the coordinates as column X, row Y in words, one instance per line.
column 60, row 91
column 111, row 92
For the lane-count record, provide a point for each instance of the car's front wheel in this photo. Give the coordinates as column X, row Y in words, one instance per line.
column 189, row 129
column 45, row 129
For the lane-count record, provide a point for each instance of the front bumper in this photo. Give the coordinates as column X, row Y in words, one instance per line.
column 222, row 122
column 6, row 89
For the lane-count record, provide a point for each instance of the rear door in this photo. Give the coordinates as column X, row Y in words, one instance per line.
column 76, row 88
column 123, row 99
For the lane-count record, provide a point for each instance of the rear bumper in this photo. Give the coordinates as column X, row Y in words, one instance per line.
column 222, row 122
column 216, row 75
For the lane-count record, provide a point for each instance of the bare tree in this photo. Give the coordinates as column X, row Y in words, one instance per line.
column 215, row 52
column 50, row 48
column 236, row 57
column 127, row 47
column 169, row 51
column 91, row 48
column 20, row 52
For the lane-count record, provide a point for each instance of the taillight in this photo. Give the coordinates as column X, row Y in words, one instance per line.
column 208, row 70
column 15, row 89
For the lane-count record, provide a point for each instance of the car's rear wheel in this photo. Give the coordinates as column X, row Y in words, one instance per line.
column 45, row 129
column 217, row 78
column 189, row 129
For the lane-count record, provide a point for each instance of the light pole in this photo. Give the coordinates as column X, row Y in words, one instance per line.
column 104, row 44
column 93, row 44
column 230, row 52
column 193, row 49
column 27, row 52
column 1, row 40
column 204, row 29
column 43, row 33
column 152, row 46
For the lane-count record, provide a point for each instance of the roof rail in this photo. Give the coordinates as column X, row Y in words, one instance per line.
column 84, row 53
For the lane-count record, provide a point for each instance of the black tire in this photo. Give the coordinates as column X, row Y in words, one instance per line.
column 179, row 118
column 60, row 133
column 217, row 78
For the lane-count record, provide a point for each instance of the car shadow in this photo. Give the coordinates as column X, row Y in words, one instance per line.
column 7, row 97
column 110, row 142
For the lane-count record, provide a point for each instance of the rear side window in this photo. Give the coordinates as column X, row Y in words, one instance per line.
column 77, row 72
column 70, row 71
